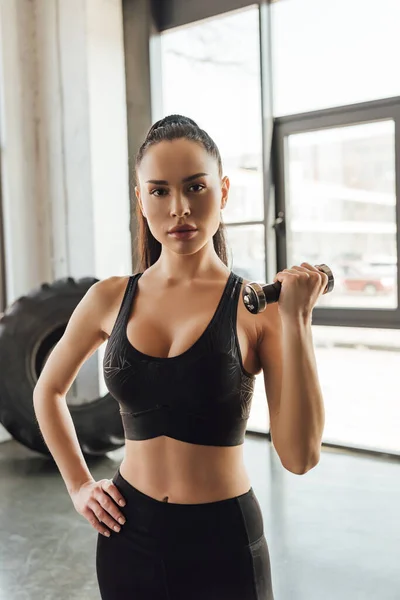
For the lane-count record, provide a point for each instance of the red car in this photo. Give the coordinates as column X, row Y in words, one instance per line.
column 371, row 279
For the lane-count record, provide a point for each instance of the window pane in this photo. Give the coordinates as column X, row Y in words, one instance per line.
column 211, row 73
column 334, row 53
column 358, row 370
column 246, row 243
column 362, row 408
column 341, row 210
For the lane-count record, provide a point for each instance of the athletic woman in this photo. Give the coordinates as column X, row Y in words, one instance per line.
column 179, row 520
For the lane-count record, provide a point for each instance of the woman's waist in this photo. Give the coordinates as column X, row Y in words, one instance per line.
column 185, row 477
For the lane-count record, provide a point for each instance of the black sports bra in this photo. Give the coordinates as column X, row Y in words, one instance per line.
column 202, row 396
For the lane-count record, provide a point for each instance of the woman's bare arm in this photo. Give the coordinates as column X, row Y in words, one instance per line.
column 83, row 335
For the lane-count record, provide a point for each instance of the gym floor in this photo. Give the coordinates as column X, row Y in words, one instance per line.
column 332, row 533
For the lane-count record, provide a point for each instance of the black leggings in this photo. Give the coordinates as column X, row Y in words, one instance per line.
column 166, row 551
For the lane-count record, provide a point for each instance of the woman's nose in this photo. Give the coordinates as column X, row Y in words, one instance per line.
column 180, row 213
column 179, row 206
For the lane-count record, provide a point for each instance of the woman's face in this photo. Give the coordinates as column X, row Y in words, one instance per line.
column 179, row 184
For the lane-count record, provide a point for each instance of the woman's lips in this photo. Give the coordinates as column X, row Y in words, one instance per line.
column 183, row 235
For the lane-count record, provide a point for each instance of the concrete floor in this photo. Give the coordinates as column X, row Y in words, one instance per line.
column 333, row 534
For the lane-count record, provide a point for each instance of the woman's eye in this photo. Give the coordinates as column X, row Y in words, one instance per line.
column 198, row 187
column 158, row 192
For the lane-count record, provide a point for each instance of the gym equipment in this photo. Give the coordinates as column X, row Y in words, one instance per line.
column 29, row 330
column 256, row 296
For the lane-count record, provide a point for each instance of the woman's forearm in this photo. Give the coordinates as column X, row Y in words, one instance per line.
column 302, row 414
column 58, row 431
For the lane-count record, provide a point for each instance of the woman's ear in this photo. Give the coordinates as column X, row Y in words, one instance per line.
column 225, row 184
column 139, row 199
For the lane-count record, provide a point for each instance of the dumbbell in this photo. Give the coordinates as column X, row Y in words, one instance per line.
column 256, row 296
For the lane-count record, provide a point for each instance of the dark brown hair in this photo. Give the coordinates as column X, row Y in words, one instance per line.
column 170, row 128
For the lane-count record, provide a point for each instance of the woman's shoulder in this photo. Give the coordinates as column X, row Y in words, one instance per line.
column 109, row 294
column 110, row 291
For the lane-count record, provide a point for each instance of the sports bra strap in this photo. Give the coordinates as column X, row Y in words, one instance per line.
column 126, row 304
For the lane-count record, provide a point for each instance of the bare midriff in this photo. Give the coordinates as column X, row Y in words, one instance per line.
column 173, row 471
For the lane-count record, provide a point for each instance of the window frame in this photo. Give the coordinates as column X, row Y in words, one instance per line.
column 176, row 13
column 354, row 114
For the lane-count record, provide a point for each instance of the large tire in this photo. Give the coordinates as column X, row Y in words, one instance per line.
column 29, row 330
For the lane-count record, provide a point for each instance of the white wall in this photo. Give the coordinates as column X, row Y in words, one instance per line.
column 26, row 215
column 108, row 139
column 64, row 140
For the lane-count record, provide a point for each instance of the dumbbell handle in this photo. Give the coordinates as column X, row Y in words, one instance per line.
column 257, row 296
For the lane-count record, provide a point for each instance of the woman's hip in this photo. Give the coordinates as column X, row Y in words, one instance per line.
column 165, row 528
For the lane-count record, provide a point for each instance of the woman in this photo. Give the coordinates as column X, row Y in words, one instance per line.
column 181, row 358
